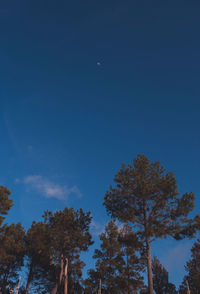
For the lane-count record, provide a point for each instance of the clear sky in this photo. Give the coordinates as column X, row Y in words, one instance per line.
column 86, row 85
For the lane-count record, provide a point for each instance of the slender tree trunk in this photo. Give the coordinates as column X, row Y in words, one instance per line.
column 128, row 276
column 4, row 281
column 188, row 288
column 149, row 267
column 99, row 290
column 58, row 283
column 66, row 277
column 54, row 291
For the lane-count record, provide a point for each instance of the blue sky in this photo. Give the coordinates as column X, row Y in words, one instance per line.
column 86, row 85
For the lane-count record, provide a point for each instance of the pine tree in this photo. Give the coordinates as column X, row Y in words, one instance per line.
column 147, row 197
column 5, row 203
column 69, row 234
column 11, row 255
column 130, row 277
column 117, row 265
column 109, row 259
column 193, row 269
column 38, row 245
column 160, row 279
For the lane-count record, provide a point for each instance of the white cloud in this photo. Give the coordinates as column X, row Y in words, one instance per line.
column 50, row 189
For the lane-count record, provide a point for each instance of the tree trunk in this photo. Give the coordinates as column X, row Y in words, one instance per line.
column 66, row 277
column 29, row 279
column 128, row 276
column 4, row 283
column 99, row 290
column 58, row 283
column 149, row 267
column 188, row 288
column 54, row 291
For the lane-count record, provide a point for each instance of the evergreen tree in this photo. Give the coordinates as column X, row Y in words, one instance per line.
column 11, row 255
column 130, row 277
column 147, row 197
column 160, row 279
column 193, row 269
column 5, row 202
column 109, row 259
column 38, row 246
column 117, row 265
column 69, row 235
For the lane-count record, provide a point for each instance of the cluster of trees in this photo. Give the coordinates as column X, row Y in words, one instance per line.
column 146, row 203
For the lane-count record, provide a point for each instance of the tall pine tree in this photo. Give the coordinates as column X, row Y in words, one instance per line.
column 69, row 234
column 12, row 252
column 160, row 279
column 38, row 252
column 130, row 275
column 117, row 265
column 192, row 279
column 147, row 197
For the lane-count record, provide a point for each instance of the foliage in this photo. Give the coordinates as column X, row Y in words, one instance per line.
column 160, row 279
column 5, row 202
column 117, row 264
column 130, row 278
column 12, row 252
column 37, row 242
column 69, row 235
column 193, row 269
column 146, row 196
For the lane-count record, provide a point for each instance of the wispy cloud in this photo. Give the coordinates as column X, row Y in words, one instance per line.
column 175, row 258
column 97, row 228
column 48, row 188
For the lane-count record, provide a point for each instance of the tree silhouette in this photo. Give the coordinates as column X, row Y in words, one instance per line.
column 147, row 197
column 160, row 279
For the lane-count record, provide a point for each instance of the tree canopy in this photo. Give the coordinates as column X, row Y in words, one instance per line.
column 117, row 266
column 145, row 200
column 5, row 202
column 147, row 197
column 69, row 235
column 192, row 279
column 160, row 279
column 12, row 252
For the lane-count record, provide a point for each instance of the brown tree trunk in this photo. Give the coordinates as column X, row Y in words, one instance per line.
column 58, row 283
column 149, row 267
column 66, row 277
column 128, row 275
column 99, row 290
column 54, row 291
column 188, row 288
column 29, row 279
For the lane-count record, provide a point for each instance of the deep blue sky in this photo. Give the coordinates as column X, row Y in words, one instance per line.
column 67, row 123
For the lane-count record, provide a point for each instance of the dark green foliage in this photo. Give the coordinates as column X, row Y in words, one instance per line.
column 160, row 279
column 5, row 202
column 130, row 278
column 117, row 264
column 109, row 258
column 12, row 252
column 38, row 245
column 146, row 196
column 69, row 235
column 193, row 269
